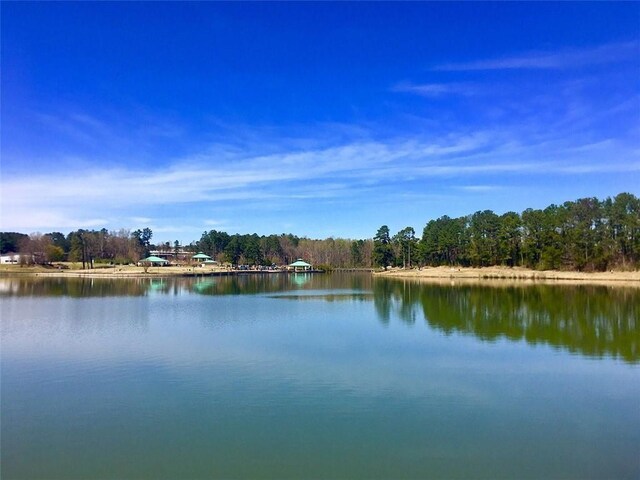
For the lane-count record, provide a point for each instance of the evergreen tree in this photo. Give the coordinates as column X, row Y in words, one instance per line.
column 382, row 250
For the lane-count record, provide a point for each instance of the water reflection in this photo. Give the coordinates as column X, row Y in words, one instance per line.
column 329, row 297
column 249, row 284
column 73, row 287
column 586, row 319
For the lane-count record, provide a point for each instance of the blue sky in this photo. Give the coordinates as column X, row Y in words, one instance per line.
column 320, row 119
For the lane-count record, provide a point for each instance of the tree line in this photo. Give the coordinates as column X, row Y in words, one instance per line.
column 586, row 234
column 124, row 246
column 85, row 246
column 284, row 249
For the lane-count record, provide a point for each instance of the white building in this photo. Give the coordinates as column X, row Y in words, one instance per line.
column 10, row 259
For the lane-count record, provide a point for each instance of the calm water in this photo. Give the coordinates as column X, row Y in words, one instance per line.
column 326, row 376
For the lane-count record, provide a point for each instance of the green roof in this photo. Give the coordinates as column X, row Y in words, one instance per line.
column 154, row 259
column 300, row 263
column 201, row 256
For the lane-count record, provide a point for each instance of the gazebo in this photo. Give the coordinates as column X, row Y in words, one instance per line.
column 300, row 264
column 153, row 260
column 201, row 257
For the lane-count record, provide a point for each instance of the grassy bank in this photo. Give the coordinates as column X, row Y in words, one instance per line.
column 516, row 273
column 125, row 271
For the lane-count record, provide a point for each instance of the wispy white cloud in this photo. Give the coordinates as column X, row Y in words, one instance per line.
column 214, row 223
column 243, row 174
column 437, row 89
column 626, row 167
column 479, row 188
column 141, row 220
column 344, row 171
column 52, row 216
column 77, row 125
column 561, row 59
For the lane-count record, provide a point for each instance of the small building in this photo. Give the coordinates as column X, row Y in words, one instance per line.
column 10, row 259
column 175, row 254
column 153, row 260
column 200, row 257
column 300, row 266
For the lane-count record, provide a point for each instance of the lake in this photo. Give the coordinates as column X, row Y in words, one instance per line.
column 317, row 376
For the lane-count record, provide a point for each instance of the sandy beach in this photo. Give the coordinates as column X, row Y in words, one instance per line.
column 492, row 274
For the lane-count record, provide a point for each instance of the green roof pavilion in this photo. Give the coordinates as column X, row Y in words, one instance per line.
column 154, row 259
column 300, row 264
column 201, row 256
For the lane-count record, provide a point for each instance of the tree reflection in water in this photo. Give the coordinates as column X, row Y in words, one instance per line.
column 586, row 319
column 75, row 287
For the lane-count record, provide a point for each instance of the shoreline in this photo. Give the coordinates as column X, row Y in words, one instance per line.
column 433, row 274
column 135, row 272
column 512, row 275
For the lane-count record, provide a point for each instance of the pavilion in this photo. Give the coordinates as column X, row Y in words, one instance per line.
column 201, row 257
column 300, row 265
column 153, row 260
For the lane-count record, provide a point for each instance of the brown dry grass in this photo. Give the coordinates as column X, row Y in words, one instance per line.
column 440, row 274
column 75, row 270
column 514, row 274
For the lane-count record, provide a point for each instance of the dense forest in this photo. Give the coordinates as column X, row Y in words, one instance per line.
column 586, row 234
